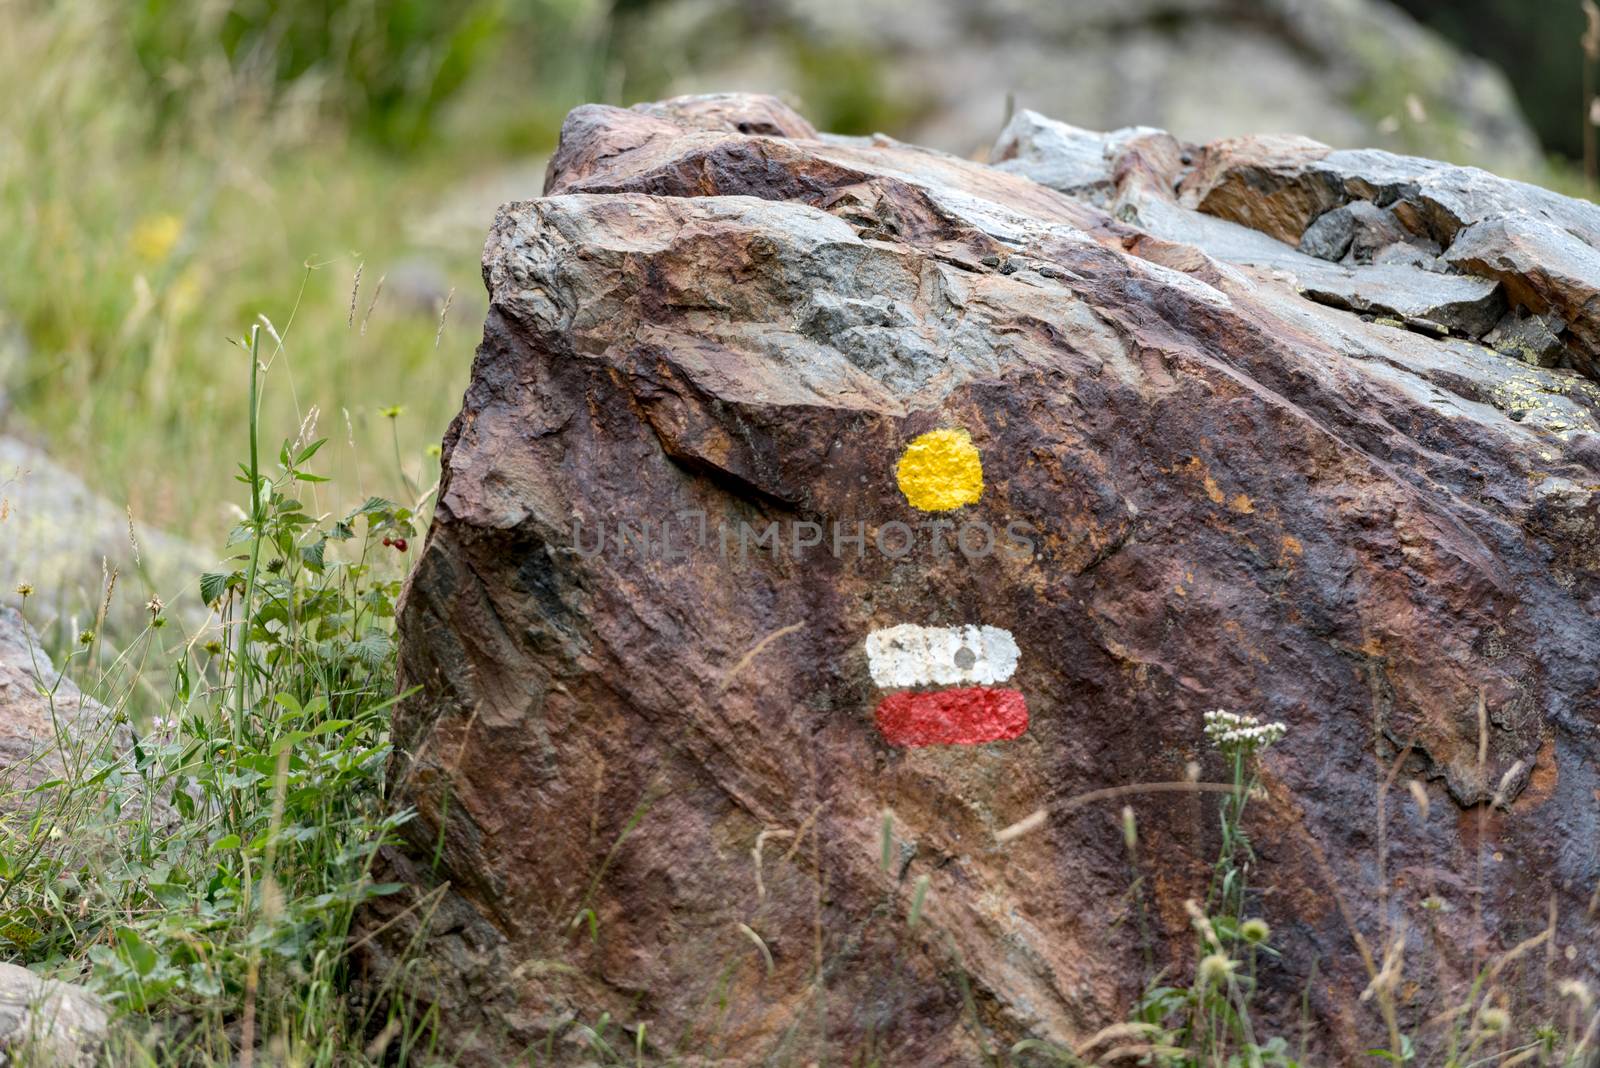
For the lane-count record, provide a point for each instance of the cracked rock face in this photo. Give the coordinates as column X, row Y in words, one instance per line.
column 643, row 753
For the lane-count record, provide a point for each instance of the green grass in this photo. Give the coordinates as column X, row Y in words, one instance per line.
column 200, row 866
column 129, row 258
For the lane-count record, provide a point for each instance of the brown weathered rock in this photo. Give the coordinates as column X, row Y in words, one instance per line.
column 648, row 781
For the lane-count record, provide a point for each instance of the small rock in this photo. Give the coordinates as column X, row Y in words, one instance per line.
column 1328, row 238
column 1534, row 339
column 47, row 1022
column 1359, row 231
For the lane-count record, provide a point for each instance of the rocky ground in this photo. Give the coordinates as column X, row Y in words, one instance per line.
column 1287, row 430
column 46, row 724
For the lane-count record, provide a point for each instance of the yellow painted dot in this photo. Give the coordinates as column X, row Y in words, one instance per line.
column 941, row 470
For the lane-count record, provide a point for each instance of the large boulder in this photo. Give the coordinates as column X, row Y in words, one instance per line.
column 940, row 72
column 767, row 429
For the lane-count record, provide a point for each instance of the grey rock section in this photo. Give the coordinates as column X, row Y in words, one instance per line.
column 1517, row 260
column 1085, row 165
column 1543, row 248
column 59, row 536
column 1534, row 339
column 48, row 727
column 1075, row 161
column 1448, row 304
column 941, row 70
column 1551, row 264
column 48, row 1023
column 1359, row 231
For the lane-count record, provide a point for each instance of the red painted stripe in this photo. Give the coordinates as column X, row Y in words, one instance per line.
column 966, row 715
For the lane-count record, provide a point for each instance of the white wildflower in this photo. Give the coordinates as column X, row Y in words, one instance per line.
column 1230, row 730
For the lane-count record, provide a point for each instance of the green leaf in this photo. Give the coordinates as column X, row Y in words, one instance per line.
column 213, row 585
column 136, row 951
column 286, row 741
column 373, row 649
column 309, row 451
column 225, row 843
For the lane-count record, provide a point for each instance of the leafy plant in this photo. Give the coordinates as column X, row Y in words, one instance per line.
column 1208, row 1022
column 387, row 67
column 205, row 867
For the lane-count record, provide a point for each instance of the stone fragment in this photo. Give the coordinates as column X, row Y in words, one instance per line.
column 1359, row 230
column 48, row 1023
column 1081, row 163
column 1329, row 236
column 1534, row 339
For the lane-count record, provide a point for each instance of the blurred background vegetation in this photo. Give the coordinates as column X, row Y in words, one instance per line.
column 172, row 169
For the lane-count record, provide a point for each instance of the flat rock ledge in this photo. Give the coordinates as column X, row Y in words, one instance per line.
column 1302, row 433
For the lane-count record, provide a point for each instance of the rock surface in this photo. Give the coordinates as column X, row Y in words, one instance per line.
column 60, row 537
column 939, row 72
column 646, row 771
column 45, row 720
column 48, row 1023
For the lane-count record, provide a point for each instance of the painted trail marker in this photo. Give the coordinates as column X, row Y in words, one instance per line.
column 941, row 471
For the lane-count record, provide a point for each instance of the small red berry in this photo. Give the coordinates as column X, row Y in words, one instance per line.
column 400, row 543
column 387, row 543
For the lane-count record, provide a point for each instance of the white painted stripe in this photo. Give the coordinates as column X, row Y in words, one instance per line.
column 909, row 655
